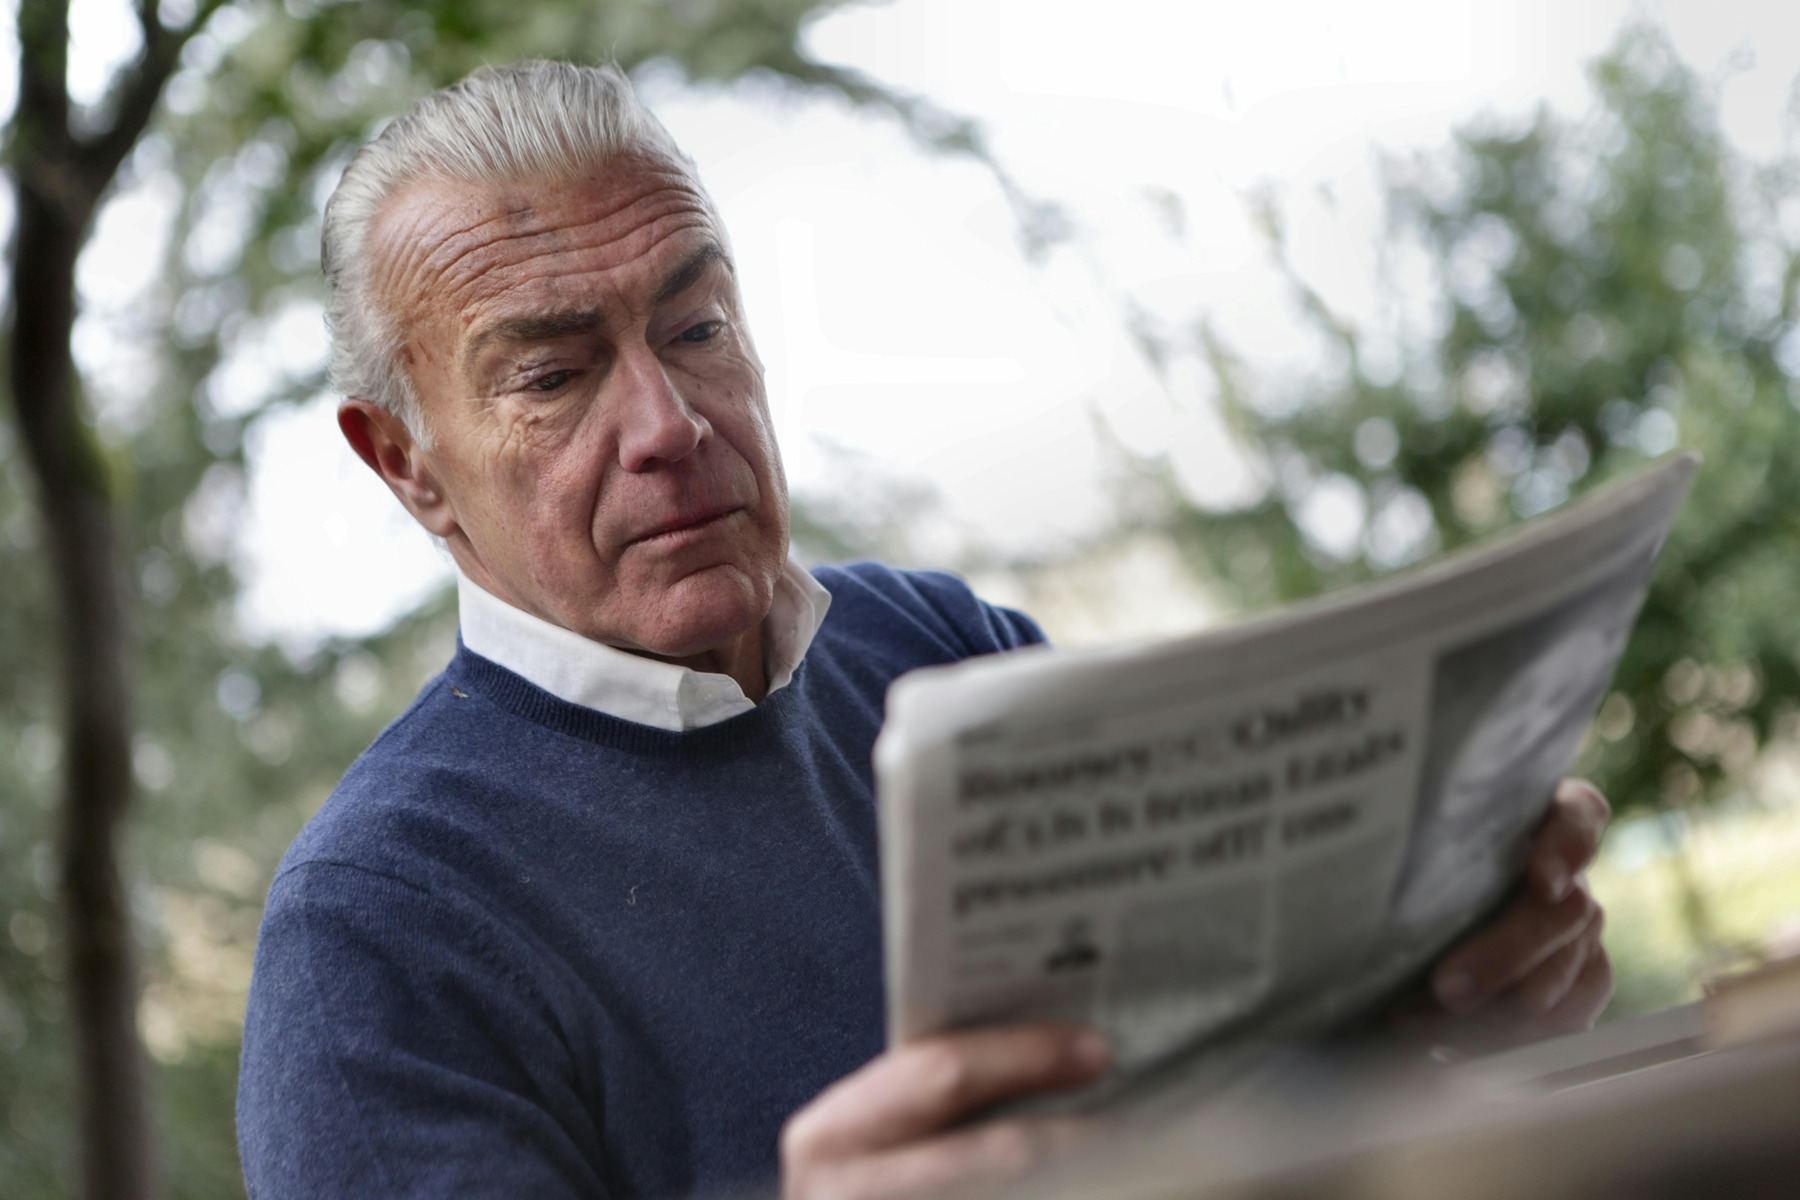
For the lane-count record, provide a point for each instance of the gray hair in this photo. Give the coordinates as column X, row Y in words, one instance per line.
column 531, row 119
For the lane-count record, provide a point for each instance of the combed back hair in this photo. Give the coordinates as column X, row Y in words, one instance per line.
column 531, row 120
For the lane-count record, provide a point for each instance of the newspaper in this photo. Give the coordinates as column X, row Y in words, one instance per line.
column 1208, row 846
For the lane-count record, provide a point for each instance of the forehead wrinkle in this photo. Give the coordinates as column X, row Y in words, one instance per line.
column 467, row 273
column 400, row 238
column 418, row 258
column 664, row 192
column 507, row 281
column 484, row 259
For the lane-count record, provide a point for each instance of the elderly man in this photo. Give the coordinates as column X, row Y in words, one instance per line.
column 597, row 916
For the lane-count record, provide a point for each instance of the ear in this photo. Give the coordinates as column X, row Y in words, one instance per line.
column 382, row 440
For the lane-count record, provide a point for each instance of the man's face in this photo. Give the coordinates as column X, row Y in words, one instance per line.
column 600, row 435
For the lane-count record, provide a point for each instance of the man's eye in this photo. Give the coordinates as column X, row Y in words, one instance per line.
column 550, row 382
column 703, row 332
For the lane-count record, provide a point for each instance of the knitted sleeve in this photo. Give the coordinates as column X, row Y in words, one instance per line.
column 432, row 1071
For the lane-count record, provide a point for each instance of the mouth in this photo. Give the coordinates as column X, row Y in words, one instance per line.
column 685, row 526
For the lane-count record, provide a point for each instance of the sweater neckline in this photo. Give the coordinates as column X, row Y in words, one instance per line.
column 471, row 674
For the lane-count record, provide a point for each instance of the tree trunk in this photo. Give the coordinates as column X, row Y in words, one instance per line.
column 54, row 205
column 81, row 532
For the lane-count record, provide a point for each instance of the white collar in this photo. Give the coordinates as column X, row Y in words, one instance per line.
column 630, row 686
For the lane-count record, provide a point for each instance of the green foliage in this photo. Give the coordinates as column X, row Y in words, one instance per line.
column 1604, row 290
column 238, row 743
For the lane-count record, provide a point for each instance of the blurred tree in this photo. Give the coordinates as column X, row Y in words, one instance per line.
column 59, row 175
column 219, row 138
column 1603, row 291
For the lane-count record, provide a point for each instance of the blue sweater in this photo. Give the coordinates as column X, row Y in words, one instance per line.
column 527, row 949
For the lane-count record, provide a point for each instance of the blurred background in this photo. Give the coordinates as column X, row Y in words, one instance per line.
column 1138, row 318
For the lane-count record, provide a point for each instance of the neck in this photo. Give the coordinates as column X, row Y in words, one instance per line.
column 742, row 659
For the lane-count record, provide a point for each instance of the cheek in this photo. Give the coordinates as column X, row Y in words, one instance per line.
column 505, row 466
column 760, row 448
column 560, row 527
column 529, row 473
column 753, row 430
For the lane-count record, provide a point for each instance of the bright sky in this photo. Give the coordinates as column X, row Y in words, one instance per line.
column 896, row 316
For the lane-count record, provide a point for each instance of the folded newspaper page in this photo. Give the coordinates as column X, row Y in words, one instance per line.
column 1210, row 846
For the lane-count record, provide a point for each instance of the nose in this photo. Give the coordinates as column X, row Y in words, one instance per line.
column 656, row 423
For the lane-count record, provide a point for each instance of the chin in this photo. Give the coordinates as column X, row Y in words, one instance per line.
column 707, row 612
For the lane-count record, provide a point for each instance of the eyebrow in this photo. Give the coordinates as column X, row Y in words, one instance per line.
column 538, row 327
column 689, row 272
column 567, row 322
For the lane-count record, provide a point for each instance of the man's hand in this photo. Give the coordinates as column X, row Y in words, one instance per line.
column 1538, row 969
column 881, row 1131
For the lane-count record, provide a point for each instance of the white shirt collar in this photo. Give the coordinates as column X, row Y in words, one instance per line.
column 630, row 686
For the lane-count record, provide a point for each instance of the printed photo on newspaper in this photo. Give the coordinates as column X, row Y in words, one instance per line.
column 1208, row 846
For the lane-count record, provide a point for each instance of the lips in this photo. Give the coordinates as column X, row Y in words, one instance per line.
column 691, row 521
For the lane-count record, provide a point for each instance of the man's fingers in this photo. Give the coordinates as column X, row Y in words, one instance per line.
column 1550, row 983
column 919, row 1089
column 975, row 1158
column 1568, row 839
column 1504, row 953
column 1586, row 998
column 1542, row 957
